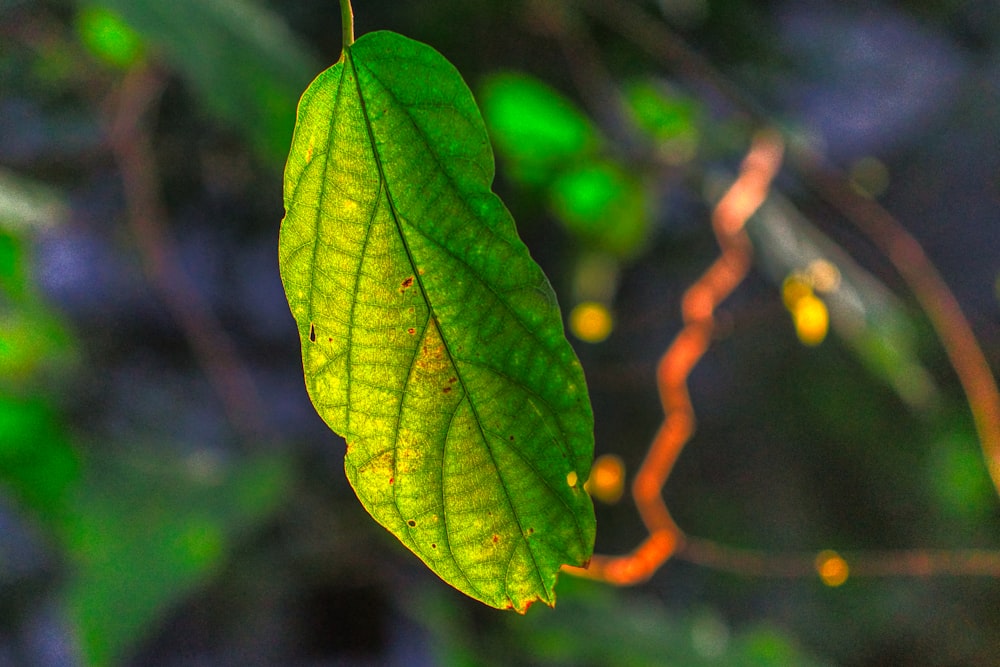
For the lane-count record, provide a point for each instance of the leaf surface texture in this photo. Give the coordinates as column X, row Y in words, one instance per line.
column 431, row 341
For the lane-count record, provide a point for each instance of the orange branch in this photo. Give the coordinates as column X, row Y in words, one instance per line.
column 921, row 276
column 698, row 306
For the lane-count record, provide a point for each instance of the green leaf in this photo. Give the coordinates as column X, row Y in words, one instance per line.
column 430, row 339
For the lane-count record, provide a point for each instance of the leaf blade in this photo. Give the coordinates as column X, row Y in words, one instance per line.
column 431, row 340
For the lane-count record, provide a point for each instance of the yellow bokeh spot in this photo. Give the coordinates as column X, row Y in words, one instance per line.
column 832, row 568
column 590, row 322
column 795, row 288
column 607, row 479
column 812, row 320
column 825, row 276
column 572, row 478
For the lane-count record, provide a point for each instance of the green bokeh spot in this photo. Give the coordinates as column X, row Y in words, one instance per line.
column 108, row 37
column 661, row 113
column 10, row 264
column 533, row 127
column 603, row 205
column 959, row 479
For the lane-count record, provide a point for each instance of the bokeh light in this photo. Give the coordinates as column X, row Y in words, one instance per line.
column 607, row 479
column 108, row 37
column 809, row 312
column 832, row 568
column 591, row 322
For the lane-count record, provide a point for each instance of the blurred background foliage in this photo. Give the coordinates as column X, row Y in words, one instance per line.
column 140, row 525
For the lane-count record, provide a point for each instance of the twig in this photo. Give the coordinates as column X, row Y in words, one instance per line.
column 698, row 306
column 794, row 565
column 876, row 223
column 132, row 148
column 932, row 293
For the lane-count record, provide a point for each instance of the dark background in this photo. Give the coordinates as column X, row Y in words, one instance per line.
column 152, row 514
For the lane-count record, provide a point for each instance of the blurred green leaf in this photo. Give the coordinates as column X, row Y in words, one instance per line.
column 535, row 130
column 549, row 145
column 669, row 118
column 31, row 338
column 430, row 338
column 599, row 626
column 108, row 37
column 11, row 265
column 240, row 57
column 146, row 531
column 957, row 477
column 37, row 461
column 604, row 205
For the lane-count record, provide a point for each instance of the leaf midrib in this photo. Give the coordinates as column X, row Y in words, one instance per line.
column 451, row 358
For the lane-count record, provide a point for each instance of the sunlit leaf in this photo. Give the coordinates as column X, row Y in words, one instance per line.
column 430, row 339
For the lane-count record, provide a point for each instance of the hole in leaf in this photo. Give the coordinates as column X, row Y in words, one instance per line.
column 312, row 333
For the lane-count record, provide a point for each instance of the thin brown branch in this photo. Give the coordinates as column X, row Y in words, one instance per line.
column 938, row 302
column 935, row 298
column 869, row 564
column 214, row 350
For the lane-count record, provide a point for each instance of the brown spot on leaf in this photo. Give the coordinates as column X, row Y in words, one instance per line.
column 406, row 284
column 434, row 546
column 392, row 480
column 446, row 389
column 531, row 531
column 496, row 538
column 411, row 523
column 411, row 331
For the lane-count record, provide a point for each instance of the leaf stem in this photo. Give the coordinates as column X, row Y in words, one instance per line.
column 347, row 24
